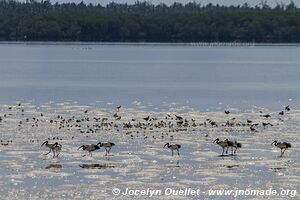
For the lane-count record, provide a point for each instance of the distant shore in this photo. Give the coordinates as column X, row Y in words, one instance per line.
column 148, row 43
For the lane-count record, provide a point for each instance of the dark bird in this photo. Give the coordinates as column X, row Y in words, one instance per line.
column 90, row 148
column 266, row 124
column 267, row 115
column 107, row 146
column 118, row 118
column 147, row 118
column 173, row 147
column 287, row 108
column 213, row 124
column 249, row 121
column 226, row 112
column 7, row 143
column 281, row 113
column 118, row 107
column 55, row 148
column 179, row 122
column 178, row 117
column 282, row 146
column 253, row 129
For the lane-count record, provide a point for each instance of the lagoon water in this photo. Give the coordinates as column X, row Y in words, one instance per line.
column 68, row 93
column 201, row 77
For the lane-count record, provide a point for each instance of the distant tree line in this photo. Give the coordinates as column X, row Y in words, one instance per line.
column 145, row 22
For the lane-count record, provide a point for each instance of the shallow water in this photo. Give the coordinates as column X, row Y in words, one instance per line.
column 138, row 160
column 197, row 83
column 199, row 77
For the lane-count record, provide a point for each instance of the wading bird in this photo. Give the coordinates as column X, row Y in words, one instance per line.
column 230, row 144
column 90, row 148
column 107, row 146
column 173, row 147
column 282, row 146
column 55, row 148
column 224, row 144
column 235, row 145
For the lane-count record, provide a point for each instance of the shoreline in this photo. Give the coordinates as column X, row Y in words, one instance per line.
column 209, row 44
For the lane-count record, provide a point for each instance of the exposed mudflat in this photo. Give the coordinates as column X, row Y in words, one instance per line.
column 138, row 160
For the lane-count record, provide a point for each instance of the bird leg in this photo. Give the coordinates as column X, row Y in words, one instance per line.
column 57, row 153
column 223, row 151
column 172, row 153
column 282, row 151
column 235, row 151
column 178, row 152
column 109, row 150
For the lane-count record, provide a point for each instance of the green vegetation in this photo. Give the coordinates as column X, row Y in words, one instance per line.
column 144, row 22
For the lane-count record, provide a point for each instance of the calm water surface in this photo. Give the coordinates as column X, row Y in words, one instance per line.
column 165, row 80
column 201, row 77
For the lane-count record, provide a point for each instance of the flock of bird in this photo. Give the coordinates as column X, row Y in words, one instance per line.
column 176, row 123
column 56, row 147
column 235, row 145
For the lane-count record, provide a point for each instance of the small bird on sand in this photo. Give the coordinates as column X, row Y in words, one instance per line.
column 287, row 108
column 267, row 115
column 226, row 112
